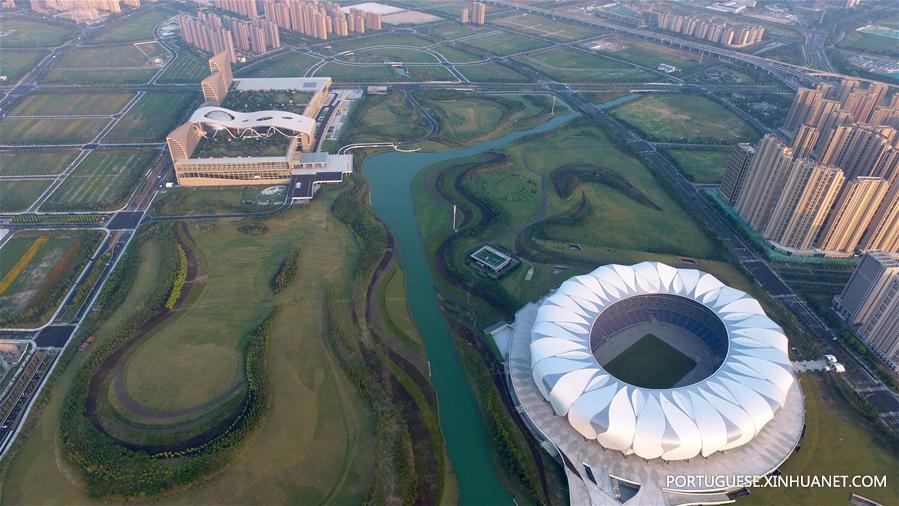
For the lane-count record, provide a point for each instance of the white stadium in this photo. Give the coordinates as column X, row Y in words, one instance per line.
column 724, row 401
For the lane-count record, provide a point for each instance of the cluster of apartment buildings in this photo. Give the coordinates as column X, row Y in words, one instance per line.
column 870, row 305
column 214, row 34
column 834, row 190
column 475, row 15
column 717, row 32
column 319, row 19
column 79, row 11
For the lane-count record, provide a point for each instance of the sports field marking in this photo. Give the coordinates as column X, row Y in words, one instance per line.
column 23, row 262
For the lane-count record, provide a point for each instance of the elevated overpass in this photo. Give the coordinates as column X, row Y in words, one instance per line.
column 792, row 75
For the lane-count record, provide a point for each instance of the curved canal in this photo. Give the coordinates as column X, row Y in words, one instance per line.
column 390, row 175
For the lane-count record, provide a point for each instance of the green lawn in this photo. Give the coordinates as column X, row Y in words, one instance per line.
column 646, row 54
column 684, row 118
column 467, row 118
column 103, row 181
column 95, row 76
column 215, row 200
column 547, row 28
column 137, row 27
column 123, row 63
column 386, row 39
column 18, row 194
column 152, row 117
column 870, row 43
column 188, row 67
column 701, row 165
column 837, row 441
column 35, row 163
column 504, row 43
column 341, row 72
column 50, row 131
column 390, row 54
column 383, row 117
column 318, row 423
column 452, row 31
column 30, row 32
column 284, row 65
column 15, row 64
column 456, row 55
column 71, row 104
column 491, row 72
column 650, row 363
column 568, row 65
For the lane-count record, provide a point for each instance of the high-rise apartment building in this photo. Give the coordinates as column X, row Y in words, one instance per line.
column 870, row 304
column 243, row 7
column 853, row 211
column 718, row 32
column 737, row 169
column 216, row 34
column 319, row 19
column 883, row 232
column 808, row 194
column 764, row 181
column 805, row 141
column 465, row 17
column 857, row 148
column 478, row 14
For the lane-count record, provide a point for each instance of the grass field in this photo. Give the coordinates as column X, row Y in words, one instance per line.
column 35, row 163
column 568, row 65
column 137, row 27
column 684, row 118
column 456, row 55
column 650, row 363
column 491, row 72
column 646, row 54
column 71, row 104
column 504, row 43
column 103, row 181
column 384, row 117
column 547, row 28
column 867, row 42
column 123, row 63
column 466, row 118
column 15, row 64
column 50, row 131
column 341, row 72
column 152, row 117
column 285, row 65
column 188, row 67
column 17, row 195
column 96, row 76
column 837, row 441
column 30, row 32
column 215, row 200
column 630, row 217
column 317, row 423
column 701, row 165
column 36, row 270
column 386, row 39
column 390, row 54
column 453, row 31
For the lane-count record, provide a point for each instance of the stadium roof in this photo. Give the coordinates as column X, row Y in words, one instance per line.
column 723, row 411
column 287, row 123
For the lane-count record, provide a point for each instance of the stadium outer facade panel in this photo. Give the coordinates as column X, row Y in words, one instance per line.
column 620, row 441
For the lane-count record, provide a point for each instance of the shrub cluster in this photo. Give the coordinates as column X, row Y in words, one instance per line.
column 287, row 271
column 180, row 278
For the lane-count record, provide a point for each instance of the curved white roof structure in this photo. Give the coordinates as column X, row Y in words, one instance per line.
column 723, row 411
column 260, row 122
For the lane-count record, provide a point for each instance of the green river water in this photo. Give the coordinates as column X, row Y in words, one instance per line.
column 390, row 175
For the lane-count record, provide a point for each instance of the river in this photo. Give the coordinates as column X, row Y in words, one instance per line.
column 390, row 175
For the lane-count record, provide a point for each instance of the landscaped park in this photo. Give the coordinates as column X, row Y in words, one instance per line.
column 230, row 352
